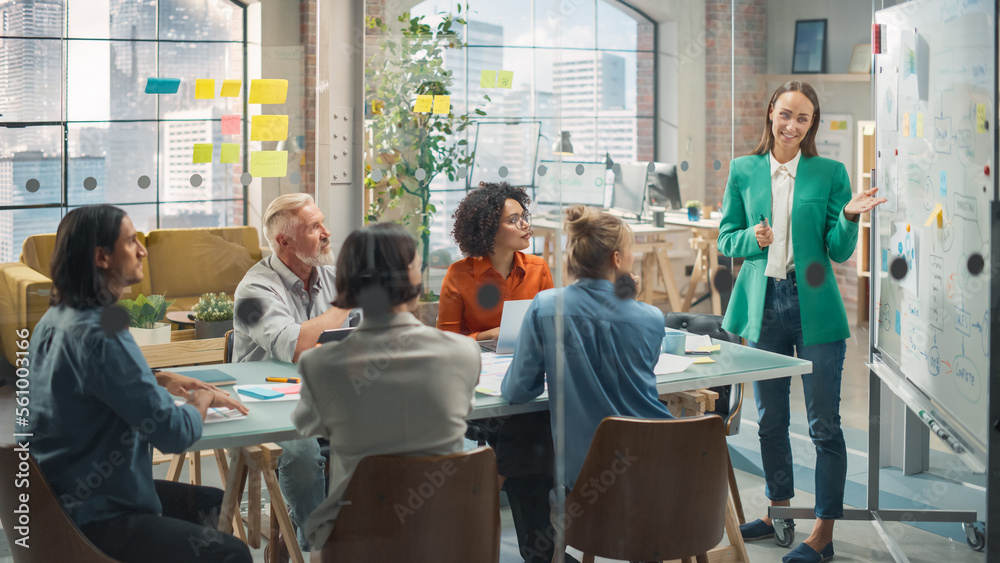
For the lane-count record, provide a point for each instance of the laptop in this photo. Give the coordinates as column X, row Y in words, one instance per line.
column 510, row 326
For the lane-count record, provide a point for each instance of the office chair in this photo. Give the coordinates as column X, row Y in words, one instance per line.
column 419, row 509
column 668, row 496
column 730, row 403
column 56, row 536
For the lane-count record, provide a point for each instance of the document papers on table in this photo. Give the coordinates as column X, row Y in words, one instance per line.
column 670, row 363
column 216, row 414
column 494, row 367
column 694, row 342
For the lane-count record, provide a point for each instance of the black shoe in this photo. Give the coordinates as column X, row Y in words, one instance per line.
column 756, row 530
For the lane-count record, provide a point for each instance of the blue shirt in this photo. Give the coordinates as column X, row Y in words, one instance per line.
column 95, row 409
column 609, row 347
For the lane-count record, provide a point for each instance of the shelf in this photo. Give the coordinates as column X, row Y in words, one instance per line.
column 818, row 77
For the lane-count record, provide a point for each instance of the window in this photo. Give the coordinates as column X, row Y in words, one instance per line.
column 76, row 127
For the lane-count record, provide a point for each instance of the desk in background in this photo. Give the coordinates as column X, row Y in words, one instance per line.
column 652, row 246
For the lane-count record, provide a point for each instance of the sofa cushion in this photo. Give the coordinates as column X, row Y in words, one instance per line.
column 36, row 253
column 189, row 262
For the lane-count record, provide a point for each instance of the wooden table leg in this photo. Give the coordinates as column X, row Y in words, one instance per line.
column 733, row 531
column 234, row 491
column 194, row 468
column 256, row 466
column 237, row 520
column 696, row 274
column 667, row 277
column 176, row 466
column 279, row 508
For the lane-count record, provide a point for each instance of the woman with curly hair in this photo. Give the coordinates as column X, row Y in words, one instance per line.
column 492, row 228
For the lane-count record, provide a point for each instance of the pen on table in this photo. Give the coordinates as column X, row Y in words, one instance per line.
column 282, row 379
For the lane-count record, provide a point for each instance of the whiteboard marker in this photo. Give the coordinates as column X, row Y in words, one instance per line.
column 940, row 433
column 763, row 221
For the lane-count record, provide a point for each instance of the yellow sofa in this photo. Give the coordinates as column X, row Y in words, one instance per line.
column 182, row 264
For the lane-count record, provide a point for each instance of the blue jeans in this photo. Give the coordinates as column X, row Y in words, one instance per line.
column 300, row 476
column 781, row 332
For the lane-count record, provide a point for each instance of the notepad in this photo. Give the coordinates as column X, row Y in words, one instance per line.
column 262, row 393
column 213, row 376
column 289, row 389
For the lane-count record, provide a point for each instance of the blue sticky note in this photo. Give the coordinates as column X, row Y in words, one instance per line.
column 899, row 329
column 262, row 393
column 913, row 124
column 944, row 183
column 162, row 85
column 885, row 259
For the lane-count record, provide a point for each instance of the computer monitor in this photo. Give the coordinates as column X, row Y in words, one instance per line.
column 630, row 188
column 663, row 188
column 562, row 184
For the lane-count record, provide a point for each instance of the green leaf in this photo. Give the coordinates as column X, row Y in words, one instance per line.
column 480, row 112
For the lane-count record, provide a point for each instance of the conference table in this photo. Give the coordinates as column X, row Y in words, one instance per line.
column 271, row 421
column 652, row 245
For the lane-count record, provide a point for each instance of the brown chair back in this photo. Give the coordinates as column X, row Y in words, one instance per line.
column 420, row 509
column 227, row 350
column 52, row 535
column 650, row 490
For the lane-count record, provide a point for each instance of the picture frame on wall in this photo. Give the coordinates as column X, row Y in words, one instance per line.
column 861, row 59
column 809, row 54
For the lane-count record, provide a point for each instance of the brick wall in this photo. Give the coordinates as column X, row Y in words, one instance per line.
column 309, row 39
column 645, row 88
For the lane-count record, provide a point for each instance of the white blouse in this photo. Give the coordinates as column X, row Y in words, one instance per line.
column 780, row 260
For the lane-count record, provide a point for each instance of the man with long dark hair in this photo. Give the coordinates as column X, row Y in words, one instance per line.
column 97, row 407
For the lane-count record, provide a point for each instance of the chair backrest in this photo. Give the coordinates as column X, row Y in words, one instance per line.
column 51, row 534
column 227, row 350
column 650, row 490
column 37, row 251
column 730, row 403
column 435, row 508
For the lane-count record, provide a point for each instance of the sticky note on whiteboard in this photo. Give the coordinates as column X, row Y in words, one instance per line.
column 269, row 164
column 230, row 124
column 268, row 91
column 488, row 79
column 162, row 85
column 423, row 104
column 230, row 153
column 505, row 79
column 980, row 118
column 230, row 88
column 202, row 153
column 204, row 89
column 442, row 104
column 269, row 128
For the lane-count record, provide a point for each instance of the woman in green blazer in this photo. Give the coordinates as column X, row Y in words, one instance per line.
column 789, row 212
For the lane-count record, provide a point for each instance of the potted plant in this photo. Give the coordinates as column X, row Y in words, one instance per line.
column 213, row 316
column 694, row 209
column 408, row 149
column 145, row 314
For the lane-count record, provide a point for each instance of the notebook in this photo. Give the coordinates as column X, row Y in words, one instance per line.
column 215, row 377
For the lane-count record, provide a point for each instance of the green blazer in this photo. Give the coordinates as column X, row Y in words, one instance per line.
column 820, row 233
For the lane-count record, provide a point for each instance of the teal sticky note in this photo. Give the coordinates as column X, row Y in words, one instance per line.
column 885, row 259
column 913, row 124
column 899, row 327
column 162, row 85
column 944, row 183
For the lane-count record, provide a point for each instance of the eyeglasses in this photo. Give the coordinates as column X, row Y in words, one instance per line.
column 520, row 221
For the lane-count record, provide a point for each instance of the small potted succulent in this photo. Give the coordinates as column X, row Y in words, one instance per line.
column 145, row 314
column 213, row 316
column 694, row 209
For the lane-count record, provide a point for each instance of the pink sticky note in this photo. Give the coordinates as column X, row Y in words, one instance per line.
column 289, row 389
column 230, row 124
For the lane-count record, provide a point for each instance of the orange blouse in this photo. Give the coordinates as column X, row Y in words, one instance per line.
column 459, row 310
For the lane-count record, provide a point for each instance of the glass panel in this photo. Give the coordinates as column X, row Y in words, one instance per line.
column 143, row 216
column 31, row 178
column 201, row 20
column 191, row 61
column 18, row 224
column 569, row 25
column 565, row 82
column 616, row 28
column 99, row 68
column 112, row 19
column 30, row 79
column 32, row 18
column 513, row 18
column 618, row 137
column 201, row 214
column 120, row 156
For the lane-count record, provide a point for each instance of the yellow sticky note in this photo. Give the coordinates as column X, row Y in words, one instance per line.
column 936, row 213
column 704, row 360
column 230, row 88
column 712, row 348
column 833, row 126
column 442, row 104
column 980, row 118
column 268, row 164
column 269, row 128
column 423, row 104
column 906, row 125
column 204, row 89
column 505, row 79
column 488, row 79
column 920, row 124
column 202, row 153
column 230, row 153
column 268, row 91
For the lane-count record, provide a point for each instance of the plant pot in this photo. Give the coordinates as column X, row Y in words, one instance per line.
column 205, row 329
column 694, row 213
column 148, row 336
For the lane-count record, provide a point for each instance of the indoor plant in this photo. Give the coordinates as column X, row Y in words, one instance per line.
column 213, row 315
column 694, row 209
column 145, row 314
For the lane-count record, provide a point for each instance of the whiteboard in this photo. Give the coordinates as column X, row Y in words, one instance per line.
column 935, row 95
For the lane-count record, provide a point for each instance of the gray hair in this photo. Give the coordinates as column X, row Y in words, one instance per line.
column 279, row 218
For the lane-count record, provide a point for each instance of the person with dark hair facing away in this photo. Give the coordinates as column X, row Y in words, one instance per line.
column 785, row 207
column 97, row 408
column 609, row 342
column 493, row 228
column 393, row 386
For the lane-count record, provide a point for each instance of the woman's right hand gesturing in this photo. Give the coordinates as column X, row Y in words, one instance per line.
column 765, row 236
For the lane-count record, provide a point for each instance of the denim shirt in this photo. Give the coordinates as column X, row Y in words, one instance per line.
column 608, row 349
column 94, row 412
